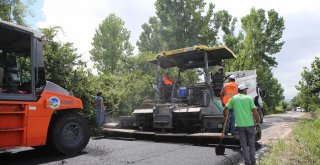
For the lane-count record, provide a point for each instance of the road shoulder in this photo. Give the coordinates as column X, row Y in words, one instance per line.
column 278, row 127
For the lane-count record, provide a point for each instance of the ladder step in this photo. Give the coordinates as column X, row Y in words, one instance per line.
column 163, row 115
column 161, row 122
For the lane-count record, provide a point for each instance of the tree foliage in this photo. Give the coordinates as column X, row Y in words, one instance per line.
column 271, row 87
column 258, row 41
column 309, row 96
column 263, row 36
column 255, row 46
column 60, row 58
column 179, row 24
column 111, row 46
column 64, row 67
column 125, row 80
column 127, row 91
column 151, row 39
column 15, row 10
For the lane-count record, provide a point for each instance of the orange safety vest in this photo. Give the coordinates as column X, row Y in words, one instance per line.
column 167, row 80
column 229, row 90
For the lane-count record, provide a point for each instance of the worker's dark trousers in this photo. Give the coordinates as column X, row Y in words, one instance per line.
column 247, row 143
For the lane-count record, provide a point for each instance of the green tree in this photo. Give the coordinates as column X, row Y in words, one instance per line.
column 273, row 92
column 262, row 39
column 179, row 24
column 310, row 81
column 64, row 67
column 111, row 46
column 235, row 43
column 294, row 101
column 15, row 10
column 255, row 46
column 151, row 38
column 60, row 58
column 127, row 91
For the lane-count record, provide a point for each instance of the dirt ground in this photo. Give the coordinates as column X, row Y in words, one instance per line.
column 279, row 126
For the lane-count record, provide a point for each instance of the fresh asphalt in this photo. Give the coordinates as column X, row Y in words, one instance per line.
column 127, row 151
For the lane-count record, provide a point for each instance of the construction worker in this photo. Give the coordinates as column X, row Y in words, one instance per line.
column 230, row 89
column 167, row 86
column 247, row 119
column 99, row 106
column 167, row 80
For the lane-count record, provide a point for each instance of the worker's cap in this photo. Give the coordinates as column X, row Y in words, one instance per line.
column 242, row 87
column 233, row 77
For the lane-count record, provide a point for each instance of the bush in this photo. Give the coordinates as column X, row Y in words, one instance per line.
column 307, row 132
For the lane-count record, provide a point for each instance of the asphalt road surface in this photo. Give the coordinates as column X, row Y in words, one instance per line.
column 120, row 152
column 138, row 152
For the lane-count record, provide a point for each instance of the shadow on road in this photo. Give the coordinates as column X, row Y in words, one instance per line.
column 33, row 156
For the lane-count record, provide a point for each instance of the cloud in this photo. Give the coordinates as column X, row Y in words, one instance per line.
column 241, row 8
column 79, row 19
column 301, row 47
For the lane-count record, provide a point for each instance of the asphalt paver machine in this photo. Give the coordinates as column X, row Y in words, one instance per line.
column 190, row 111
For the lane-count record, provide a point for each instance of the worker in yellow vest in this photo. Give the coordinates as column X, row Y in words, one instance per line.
column 230, row 89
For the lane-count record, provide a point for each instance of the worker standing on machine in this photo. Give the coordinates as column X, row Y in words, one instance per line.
column 229, row 90
column 167, row 86
column 167, row 80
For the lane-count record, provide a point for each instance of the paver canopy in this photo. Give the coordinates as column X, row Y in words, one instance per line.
column 193, row 57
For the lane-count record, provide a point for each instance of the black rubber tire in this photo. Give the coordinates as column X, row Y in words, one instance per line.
column 70, row 133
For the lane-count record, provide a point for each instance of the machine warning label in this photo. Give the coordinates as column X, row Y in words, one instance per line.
column 54, row 102
column 32, row 108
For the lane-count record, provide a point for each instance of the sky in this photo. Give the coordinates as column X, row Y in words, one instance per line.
column 80, row 18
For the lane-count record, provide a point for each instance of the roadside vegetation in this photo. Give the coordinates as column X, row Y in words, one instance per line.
column 303, row 147
column 283, row 107
column 309, row 86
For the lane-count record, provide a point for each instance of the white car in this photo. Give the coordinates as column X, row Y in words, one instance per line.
column 299, row 109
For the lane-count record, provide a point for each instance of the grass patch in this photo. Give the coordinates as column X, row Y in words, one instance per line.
column 302, row 148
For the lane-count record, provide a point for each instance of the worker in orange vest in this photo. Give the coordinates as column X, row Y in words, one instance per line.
column 230, row 89
column 167, row 80
column 167, row 86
